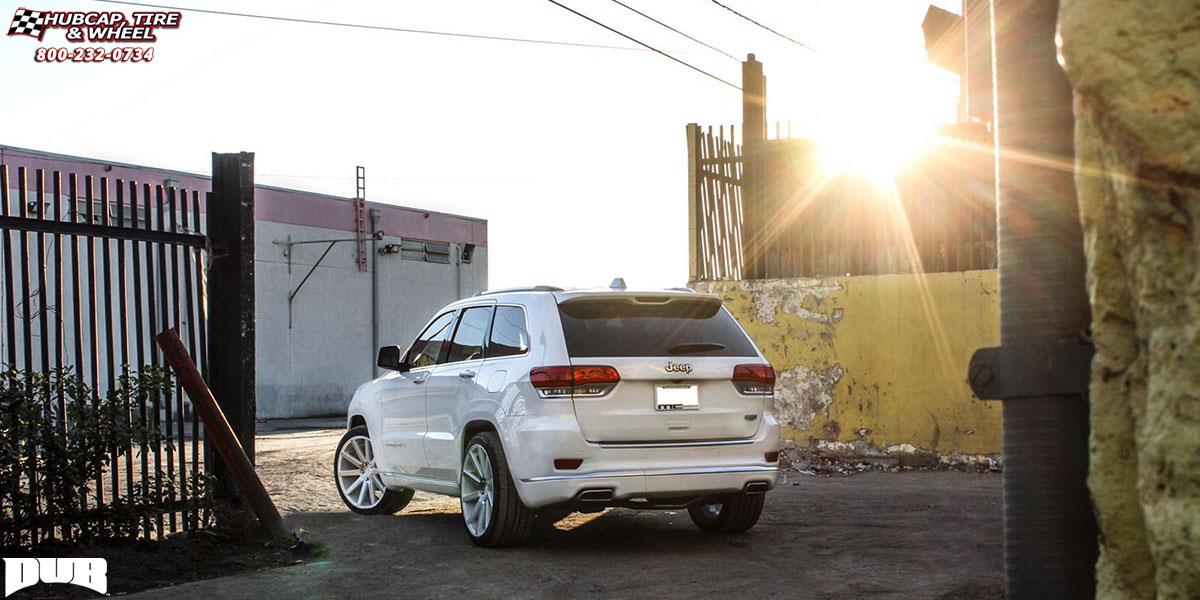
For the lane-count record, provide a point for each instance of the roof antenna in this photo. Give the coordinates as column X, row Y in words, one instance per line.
column 618, row 283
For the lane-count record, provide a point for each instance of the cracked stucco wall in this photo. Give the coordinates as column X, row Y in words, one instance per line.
column 1135, row 68
column 875, row 365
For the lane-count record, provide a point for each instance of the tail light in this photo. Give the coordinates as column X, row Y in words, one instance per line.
column 582, row 380
column 754, row 380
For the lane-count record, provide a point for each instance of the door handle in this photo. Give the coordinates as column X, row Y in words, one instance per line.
column 467, row 374
column 421, row 378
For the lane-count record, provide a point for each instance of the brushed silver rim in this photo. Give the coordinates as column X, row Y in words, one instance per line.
column 357, row 475
column 477, row 492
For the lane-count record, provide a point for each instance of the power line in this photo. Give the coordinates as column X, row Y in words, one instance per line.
column 782, row 35
column 497, row 38
column 641, row 43
column 677, row 31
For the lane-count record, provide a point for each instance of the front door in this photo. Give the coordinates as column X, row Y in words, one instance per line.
column 402, row 402
column 450, row 389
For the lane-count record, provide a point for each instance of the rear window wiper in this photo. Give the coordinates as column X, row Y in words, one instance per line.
column 694, row 347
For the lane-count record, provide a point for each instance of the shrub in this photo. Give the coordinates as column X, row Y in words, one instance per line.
column 49, row 457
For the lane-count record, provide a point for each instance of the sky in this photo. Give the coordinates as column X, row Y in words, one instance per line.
column 575, row 156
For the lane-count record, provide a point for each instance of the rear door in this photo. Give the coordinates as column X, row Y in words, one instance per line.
column 675, row 355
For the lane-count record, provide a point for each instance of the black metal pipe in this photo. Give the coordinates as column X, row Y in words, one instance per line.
column 10, row 324
column 1050, row 534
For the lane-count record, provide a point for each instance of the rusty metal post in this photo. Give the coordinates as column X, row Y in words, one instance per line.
column 220, row 434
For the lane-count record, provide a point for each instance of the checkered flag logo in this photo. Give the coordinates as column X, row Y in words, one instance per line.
column 28, row 22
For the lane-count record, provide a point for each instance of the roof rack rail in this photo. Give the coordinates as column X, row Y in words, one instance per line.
column 535, row 288
column 682, row 289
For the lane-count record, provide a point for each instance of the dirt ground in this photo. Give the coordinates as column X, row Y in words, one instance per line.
column 901, row 535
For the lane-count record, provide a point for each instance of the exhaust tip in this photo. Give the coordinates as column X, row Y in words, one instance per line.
column 596, row 495
column 756, row 487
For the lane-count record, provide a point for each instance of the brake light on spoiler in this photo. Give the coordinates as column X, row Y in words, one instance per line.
column 579, row 380
column 754, row 380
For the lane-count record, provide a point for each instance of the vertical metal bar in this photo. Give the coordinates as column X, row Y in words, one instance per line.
column 123, row 320
column 43, row 318
column 106, row 270
column 58, row 304
column 140, row 341
column 39, row 183
column 26, row 322
column 201, row 333
column 189, row 318
column 152, row 321
column 9, row 294
column 26, row 318
column 165, row 301
column 10, row 324
column 93, row 333
column 76, row 297
column 175, row 303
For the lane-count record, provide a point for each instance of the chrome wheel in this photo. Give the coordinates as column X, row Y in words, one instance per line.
column 477, row 490
column 357, row 475
column 713, row 510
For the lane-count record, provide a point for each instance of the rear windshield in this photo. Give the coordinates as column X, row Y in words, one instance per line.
column 611, row 327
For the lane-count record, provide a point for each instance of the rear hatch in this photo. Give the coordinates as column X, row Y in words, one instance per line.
column 676, row 355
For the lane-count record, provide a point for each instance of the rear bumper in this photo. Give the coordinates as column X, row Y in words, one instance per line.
column 625, row 485
column 633, row 471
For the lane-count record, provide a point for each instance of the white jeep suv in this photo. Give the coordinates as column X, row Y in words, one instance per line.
column 531, row 403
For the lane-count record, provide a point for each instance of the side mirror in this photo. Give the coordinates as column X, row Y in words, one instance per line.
column 390, row 358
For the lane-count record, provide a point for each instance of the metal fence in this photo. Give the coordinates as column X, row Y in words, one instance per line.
column 92, row 269
column 769, row 210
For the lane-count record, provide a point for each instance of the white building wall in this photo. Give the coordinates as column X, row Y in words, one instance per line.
column 313, row 367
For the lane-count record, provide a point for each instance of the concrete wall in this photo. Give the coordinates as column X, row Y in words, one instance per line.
column 875, row 366
column 313, row 367
column 1135, row 69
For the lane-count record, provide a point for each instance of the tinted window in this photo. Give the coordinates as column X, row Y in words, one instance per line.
column 509, row 337
column 429, row 345
column 610, row 327
column 471, row 334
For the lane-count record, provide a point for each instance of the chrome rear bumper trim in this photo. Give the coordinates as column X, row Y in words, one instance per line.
column 657, row 473
column 617, row 445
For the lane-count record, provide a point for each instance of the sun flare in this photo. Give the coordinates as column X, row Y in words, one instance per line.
column 874, row 127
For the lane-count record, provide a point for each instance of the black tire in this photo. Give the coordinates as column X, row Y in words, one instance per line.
column 727, row 514
column 392, row 501
column 512, row 523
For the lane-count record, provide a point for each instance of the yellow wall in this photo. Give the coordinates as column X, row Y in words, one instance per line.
column 875, row 364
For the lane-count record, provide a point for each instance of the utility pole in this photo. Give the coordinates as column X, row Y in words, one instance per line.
column 754, row 133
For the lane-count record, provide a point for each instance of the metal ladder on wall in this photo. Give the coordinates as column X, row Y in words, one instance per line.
column 360, row 218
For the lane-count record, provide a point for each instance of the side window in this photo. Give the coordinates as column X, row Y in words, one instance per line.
column 428, row 347
column 509, row 337
column 471, row 334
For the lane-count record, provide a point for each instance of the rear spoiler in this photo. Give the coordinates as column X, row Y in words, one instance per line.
column 644, row 298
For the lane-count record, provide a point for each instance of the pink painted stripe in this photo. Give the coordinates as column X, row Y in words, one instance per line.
column 273, row 204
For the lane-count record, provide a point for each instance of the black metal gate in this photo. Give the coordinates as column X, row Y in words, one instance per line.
column 92, row 269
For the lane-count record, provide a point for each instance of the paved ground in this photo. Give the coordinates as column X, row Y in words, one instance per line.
column 879, row 535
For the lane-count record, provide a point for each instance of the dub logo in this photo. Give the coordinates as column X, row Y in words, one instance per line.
column 20, row 573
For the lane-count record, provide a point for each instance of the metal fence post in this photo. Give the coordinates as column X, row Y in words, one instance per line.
column 231, row 302
column 1040, row 369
